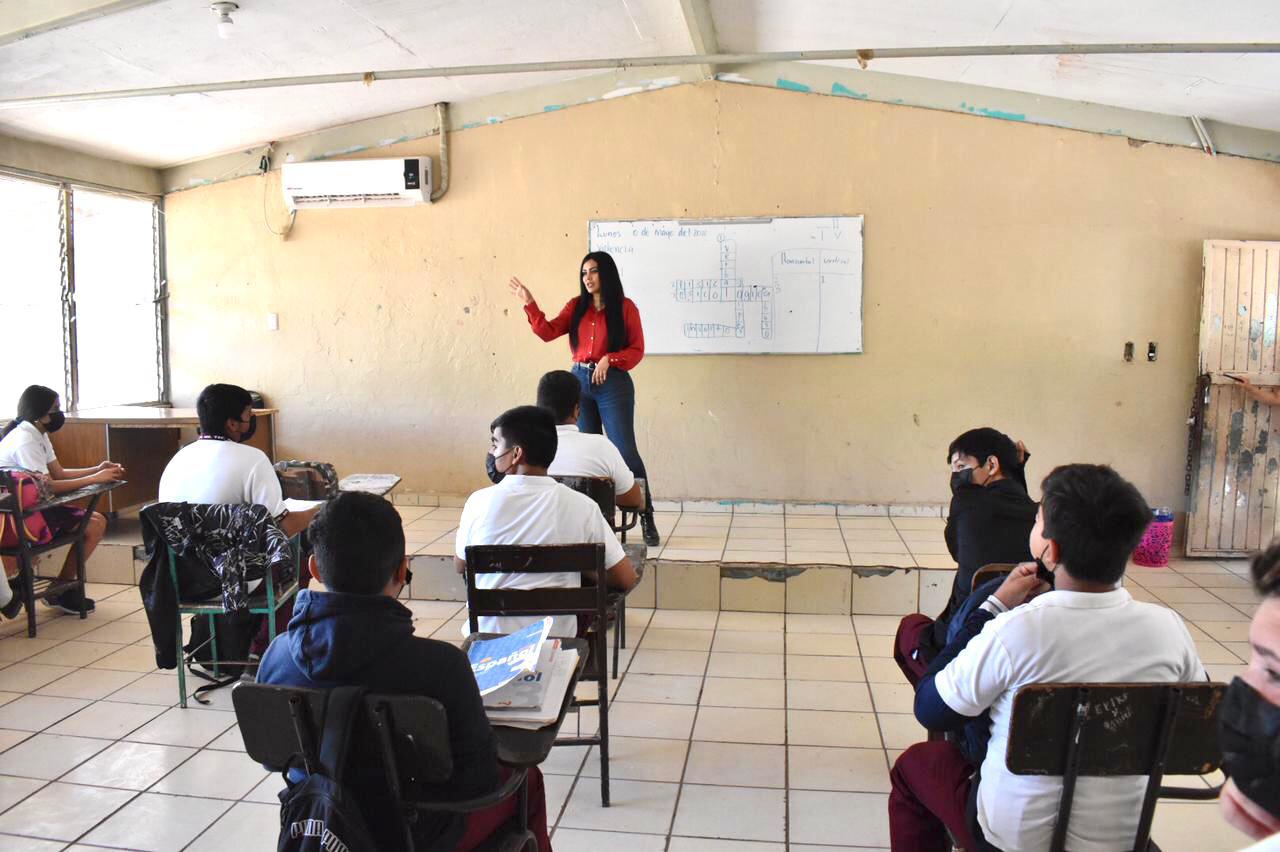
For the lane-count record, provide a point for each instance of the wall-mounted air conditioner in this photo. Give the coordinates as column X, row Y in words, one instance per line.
column 357, row 183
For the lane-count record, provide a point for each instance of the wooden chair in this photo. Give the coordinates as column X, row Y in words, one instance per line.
column 990, row 571
column 281, row 728
column 588, row 601
column 1080, row 730
column 30, row 585
column 601, row 490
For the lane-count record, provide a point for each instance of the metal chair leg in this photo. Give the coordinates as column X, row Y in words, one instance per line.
column 27, row 571
column 182, row 668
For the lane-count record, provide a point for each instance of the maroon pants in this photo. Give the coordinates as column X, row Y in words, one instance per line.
column 482, row 824
column 929, row 797
column 907, row 642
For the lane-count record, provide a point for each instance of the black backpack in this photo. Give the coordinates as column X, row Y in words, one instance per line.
column 319, row 814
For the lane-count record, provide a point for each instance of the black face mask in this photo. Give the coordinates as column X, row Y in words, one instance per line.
column 247, row 435
column 491, row 468
column 1249, row 732
column 961, row 479
column 1043, row 574
column 56, row 419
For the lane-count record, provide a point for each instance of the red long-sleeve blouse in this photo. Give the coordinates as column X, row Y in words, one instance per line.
column 593, row 333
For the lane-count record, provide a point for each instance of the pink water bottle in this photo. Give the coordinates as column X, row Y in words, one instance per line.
column 1153, row 550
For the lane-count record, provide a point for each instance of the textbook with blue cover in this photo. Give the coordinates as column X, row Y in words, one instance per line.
column 497, row 662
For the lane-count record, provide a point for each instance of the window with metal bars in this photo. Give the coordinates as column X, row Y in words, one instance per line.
column 82, row 295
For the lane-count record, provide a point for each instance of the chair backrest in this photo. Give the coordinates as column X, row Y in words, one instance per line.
column 281, row 728
column 598, row 488
column 1108, row 729
column 536, row 559
column 990, row 571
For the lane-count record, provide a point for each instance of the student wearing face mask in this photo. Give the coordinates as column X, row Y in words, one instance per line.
column 25, row 444
column 1087, row 526
column 221, row 468
column 990, row 518
column 529, row 507
column 1249, row 719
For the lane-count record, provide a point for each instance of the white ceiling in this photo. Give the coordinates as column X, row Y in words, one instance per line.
column 174, row 42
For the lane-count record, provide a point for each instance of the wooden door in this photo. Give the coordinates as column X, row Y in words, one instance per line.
column 1235, row 463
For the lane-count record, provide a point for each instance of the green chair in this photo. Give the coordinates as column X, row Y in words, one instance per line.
column 265, row 600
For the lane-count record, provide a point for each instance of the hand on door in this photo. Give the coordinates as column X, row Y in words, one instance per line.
column 1267, row 396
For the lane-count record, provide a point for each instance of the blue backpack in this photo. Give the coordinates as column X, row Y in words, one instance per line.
column 318, row 814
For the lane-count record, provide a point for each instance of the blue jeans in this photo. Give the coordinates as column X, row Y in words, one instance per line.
column 613, row 405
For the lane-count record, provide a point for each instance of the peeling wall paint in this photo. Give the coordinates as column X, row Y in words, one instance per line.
column 378, row 367
column 791, row 85
column 993, row 113
column 844, row 91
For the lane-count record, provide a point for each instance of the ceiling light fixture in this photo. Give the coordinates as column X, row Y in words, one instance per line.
column 226, row 26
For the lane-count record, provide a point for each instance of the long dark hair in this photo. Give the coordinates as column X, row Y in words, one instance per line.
column 611, row 291
column 34, row 403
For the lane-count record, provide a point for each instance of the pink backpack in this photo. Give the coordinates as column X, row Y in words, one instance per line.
column 34, row 529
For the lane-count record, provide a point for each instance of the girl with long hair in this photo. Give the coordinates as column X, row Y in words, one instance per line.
column 25, row 445
column 607, row 342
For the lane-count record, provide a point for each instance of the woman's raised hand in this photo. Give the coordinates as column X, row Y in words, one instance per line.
column 521, row 292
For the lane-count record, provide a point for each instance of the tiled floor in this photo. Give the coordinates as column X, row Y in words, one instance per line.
column 731, row 732
column 797, row 536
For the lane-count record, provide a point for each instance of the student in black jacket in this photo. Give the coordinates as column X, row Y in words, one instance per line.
column 356, row 632
column 990, row 519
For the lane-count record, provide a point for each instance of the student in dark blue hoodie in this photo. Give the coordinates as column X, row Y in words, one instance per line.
column 356, row 632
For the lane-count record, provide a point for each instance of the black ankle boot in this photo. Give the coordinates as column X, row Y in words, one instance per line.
column 650, row 529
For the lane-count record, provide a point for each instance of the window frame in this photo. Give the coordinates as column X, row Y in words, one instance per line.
column 159, row 287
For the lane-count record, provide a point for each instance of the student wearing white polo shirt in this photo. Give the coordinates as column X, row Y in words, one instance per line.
column 25, row 444
column 529, row 507
column 220, row 468
column 583, row 453
column 1087, row 629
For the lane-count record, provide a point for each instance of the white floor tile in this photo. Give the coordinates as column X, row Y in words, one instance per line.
column 156, row 823
column 63, row 811
column 745, row 764
column 129, row 766
column 644, row 807
column 214, row 775
column 48, row 756
column 742, row 813
column 247, row 826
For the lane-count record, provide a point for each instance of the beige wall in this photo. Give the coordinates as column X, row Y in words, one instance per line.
column 59, row 162
column 1006, row 265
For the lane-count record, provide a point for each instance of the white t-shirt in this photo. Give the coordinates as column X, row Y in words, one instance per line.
column 1063, row 637
column 587, row 454
column 212, row 471
column 28, row 448
column 533, row 510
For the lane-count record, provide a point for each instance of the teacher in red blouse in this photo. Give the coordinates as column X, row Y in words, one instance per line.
column 607, row 342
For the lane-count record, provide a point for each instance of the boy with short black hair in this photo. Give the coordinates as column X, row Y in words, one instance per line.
column 583, row 453
column 1087, row 629
column 221, row 468
column 990, row 518
column 529, row 507
column 356, row 632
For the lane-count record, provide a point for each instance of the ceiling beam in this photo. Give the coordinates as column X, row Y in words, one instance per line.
column 862, row 55
column 23, row 19
column 702, row 31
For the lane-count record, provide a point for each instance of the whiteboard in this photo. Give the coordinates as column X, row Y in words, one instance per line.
column 741, row 286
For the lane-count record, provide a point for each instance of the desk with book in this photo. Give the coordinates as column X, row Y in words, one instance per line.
column 527, row 681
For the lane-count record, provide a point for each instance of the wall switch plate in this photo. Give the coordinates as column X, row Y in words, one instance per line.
column 1128, row 351
column 273, row 322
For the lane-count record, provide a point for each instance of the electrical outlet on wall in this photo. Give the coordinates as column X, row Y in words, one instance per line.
column 1151, row 350
column 273, row 322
